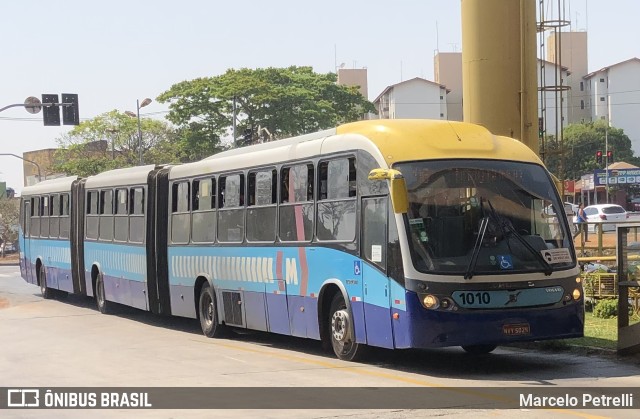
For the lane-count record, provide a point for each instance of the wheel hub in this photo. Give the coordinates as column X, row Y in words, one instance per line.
column 340, row 325
column 207, row 309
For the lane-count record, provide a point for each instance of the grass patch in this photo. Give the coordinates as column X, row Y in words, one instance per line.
column 598, row 333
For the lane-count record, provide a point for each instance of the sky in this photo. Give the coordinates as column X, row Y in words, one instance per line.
column 113, row 52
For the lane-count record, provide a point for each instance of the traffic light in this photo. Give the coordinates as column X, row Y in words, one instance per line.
column 609, row 156
column 70, row 114
column 540, row 127
column 599, row 157
column 50, row 113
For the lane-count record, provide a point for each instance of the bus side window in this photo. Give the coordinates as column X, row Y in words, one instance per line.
column 54, row 214
column 136, row 215
column 261, row 212
column 337, row 204
column 231, row 211
column 106, row 215
column 45, row 207
column 64, row 216
column 121, row 216
column 180, row 216
column 296, row 203
column 91, row 231
column 203, row 216
column 35, row 216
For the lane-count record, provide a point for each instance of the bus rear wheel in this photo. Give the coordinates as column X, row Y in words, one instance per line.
column 342, row 333
column 479, row 349
column 46, row 292
column 104, row 306
column 208, row 313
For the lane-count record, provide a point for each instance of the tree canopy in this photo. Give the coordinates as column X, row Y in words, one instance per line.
column 110, row 141
column 270, row 103
column 579, row 146
column 9, row 217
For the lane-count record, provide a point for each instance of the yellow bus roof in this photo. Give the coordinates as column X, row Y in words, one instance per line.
column 435, row 139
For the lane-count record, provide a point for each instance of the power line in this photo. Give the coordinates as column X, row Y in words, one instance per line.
column 39, row 119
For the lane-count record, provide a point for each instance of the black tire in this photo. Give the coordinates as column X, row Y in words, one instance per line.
column 61, row 295
column 479, row 349
column 47, row 293
column 104, row 306
column 207, row 312
column 341, row 331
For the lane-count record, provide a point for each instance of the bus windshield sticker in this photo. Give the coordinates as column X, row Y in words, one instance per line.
column 504, row 261
column 376, row 253
column 418, row 228
column 553, row 256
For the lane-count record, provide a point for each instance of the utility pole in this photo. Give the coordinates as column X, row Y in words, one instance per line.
column 233, row 133
column 606, row 159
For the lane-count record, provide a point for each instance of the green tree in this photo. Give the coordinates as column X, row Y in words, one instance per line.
column 9, row 217
column 269, row 102
column 111, row 141
column 581, row 141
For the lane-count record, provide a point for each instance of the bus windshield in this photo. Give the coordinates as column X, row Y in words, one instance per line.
column 474, row 217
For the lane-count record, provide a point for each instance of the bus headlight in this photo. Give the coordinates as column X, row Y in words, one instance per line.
column 576, row 294
column 431, row 302
column 447, row 304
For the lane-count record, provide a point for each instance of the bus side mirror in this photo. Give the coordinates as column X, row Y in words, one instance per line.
column 398, row 188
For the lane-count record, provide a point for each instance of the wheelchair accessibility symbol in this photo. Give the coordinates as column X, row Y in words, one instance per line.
column 505, row 262
column 356, row 267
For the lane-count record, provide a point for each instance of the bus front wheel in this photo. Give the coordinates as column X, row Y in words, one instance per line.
column 342, row 331
column 479, row 349
column 46, row 292
column 208, row 314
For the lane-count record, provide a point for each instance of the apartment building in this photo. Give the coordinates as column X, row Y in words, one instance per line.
column 414, row 98
column 613, row 94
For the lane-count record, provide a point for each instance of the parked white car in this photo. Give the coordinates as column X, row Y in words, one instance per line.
column 603, row 213
column 569, row 208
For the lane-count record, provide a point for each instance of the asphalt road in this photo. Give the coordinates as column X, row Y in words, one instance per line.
column 51, row 343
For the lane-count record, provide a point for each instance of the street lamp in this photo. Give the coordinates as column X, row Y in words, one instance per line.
column 28, row 161
column 139, row 105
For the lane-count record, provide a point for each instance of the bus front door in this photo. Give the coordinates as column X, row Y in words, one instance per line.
column 376, row 287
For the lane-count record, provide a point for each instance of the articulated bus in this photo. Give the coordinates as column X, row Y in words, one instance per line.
column 387, row 233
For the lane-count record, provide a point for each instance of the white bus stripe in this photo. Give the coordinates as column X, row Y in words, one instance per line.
column 252, row 269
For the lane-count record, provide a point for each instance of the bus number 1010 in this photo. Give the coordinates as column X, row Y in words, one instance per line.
column 471, row 298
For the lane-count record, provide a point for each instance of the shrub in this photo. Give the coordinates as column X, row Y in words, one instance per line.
column 606, row 309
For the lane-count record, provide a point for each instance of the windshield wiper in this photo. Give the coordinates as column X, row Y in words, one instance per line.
column 547, row 267
column 511, row 230
column 476, row 248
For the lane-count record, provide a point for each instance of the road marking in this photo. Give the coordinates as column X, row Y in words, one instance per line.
column 389, row 376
